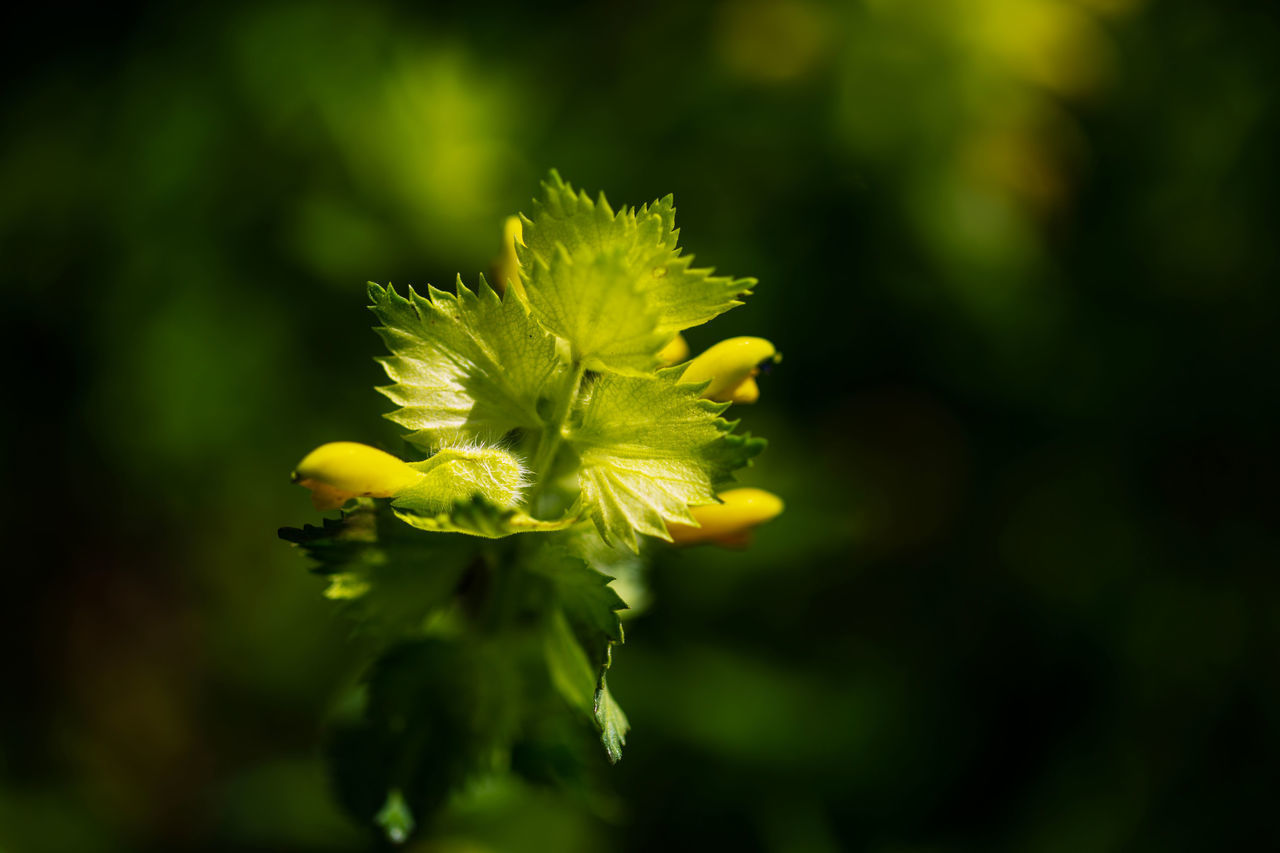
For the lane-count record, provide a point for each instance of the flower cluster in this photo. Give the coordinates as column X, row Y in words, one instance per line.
column 534, row 368
column 562, row 405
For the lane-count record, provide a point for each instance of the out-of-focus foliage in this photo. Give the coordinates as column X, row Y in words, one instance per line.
column 1020, row 255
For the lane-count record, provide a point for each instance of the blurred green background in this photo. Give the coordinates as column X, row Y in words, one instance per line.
column 1020, row 256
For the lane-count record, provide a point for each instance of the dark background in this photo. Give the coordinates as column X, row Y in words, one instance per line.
column 1020, row 256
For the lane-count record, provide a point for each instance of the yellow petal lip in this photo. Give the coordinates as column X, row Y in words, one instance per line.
column 729, row 523
column 728, row 365
column 674, row 352
column 747, row 392
column 340, row 470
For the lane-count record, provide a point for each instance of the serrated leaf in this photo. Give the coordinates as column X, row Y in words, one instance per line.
column 585, row 597
column 391, row 577
column 470, row 366
column 615, row 284
column 592, row 301
column 650, row 448
column 612, row 721
column 580, row 635
column 613, row 560
column 479, row 517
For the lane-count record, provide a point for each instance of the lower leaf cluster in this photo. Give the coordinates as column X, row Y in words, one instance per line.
column 488, row 655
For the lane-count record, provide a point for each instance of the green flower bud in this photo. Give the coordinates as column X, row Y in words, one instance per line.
column 456, row 474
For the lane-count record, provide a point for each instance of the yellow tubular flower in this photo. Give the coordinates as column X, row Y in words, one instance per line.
column 729, row 523
column 341, row 470
column 674, row 352
column 731, row 366
column 506, row 268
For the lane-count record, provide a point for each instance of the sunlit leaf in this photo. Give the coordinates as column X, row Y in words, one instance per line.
column 615, row 284
column 470, row 366
column 650, row 448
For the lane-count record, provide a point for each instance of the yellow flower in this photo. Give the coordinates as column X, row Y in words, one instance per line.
column 674, row 352
column 731, row 366
column 341, row 470
column 506, row 268
column 729, row 523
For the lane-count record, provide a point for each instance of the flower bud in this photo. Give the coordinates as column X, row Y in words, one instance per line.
column 341, row 470
column 674, row 352
column 730, row 365
column 506, row 269
column 729, row 523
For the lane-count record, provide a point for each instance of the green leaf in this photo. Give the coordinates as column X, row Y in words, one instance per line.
column 585, row 597
column 592, row 302
column 626, row 567
column 471, row 366
column 612, row 722
column 571, row 673
column 479, row 517
column 580, row 635
column 433, row 713
column 615, row 285
column 391, row 577
column 650, row 448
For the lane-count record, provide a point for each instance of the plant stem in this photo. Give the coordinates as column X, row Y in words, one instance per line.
column 549, row 442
